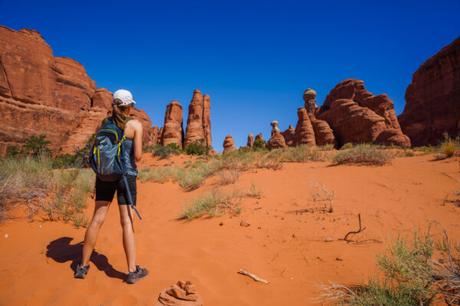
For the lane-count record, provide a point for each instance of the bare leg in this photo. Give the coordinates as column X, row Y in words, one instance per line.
column 128, row 236
column 100, row 212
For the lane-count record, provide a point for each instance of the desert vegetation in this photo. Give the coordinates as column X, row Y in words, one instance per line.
column 412, row 274
column 59, row 194
column 362, row 154
column 217, row 202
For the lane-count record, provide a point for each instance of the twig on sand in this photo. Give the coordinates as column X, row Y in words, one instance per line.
column 253, row 276
column 360, row 229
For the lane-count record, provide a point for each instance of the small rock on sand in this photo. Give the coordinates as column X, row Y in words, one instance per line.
column 244, row 223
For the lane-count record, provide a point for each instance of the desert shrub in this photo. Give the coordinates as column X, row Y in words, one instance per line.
column 407, row 278
column 363, row 154
column 227, row 177
column 37, row 146
column 449, row 146
column 13, row 151
column 28, row 179
column 71, row 187
column 216, row 203
column 165, row 151
column 303, row 154
column 346, row 146
column 66, row 161
column 259, row 145
column 197, row 148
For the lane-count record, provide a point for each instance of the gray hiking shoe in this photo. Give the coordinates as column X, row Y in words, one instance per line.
column 133, row 277
column 81, row 271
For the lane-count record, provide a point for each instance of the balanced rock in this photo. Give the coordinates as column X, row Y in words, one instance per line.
column 276, row 140
column 304, row 132
column 180, row 294
column 229, row 144
column 289, row 136
column 250, row 142
column 323, row 132
column 433, row 98
column 199, row 121
column 309, row 97
column 357, row 116
column 172, row 132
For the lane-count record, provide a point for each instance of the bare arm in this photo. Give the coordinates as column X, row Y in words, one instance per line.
column 138, row 135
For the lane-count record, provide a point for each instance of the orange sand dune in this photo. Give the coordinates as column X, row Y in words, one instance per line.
column 287, row 249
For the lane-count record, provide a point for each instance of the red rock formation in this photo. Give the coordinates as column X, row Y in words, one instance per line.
column 433, row 98
column 357, row 116
column 250, row 142
column 207, row 119
column 173, row 132
column 289, row 136
column 43, row 94
column 259, row 139
column 199, row 121
column 309, row 97
column 304, row 132
column 323, row 132
column 229, row 144
column 180, row 294
column 276, row 140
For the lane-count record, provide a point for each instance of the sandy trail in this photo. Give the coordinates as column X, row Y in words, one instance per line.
column 287, row 249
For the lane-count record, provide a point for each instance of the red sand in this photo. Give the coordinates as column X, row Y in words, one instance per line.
column 286, row 249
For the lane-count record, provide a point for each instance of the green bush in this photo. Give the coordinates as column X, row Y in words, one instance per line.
column 13, row 151
column 197, row 148
column 346, row 146
column 259, row 144
column 363, row 154
column 165, row 151
column 37, row 146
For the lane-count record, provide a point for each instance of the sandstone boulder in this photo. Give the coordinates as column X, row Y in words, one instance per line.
column 304, row 132
column 356, row 115
column 180, row 294
column 229, row 144
column 172, row 132
column 433, row 98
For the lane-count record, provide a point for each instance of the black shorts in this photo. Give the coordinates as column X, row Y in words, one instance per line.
column 105, row 191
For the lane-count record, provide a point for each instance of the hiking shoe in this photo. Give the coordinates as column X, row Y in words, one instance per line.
column 81, row 271
column 136, row 275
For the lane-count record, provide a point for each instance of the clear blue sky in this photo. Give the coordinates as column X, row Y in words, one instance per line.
column 254, row 58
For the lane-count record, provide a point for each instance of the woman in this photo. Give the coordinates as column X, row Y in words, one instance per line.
column 131, row 152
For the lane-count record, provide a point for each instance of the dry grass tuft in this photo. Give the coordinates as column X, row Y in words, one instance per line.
column 227, row 177
column 217, row 203
column 363, row 154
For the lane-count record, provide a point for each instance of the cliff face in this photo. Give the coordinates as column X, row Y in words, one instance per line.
column 433, row 98
column 43, row 94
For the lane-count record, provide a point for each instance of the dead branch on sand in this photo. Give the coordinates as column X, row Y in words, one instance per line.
column 253, row 276
column 360, row 229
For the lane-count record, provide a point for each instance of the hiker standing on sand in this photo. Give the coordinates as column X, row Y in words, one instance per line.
column 131, row 151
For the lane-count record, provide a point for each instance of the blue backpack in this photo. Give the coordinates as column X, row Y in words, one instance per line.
column 105, row 158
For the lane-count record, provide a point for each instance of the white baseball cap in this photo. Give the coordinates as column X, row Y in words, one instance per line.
column 123, row 97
